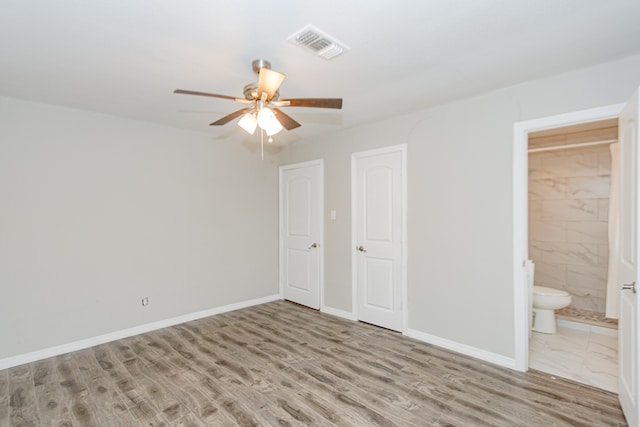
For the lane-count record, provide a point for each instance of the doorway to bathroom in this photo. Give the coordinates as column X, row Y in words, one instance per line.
column 571, row 220
column 628, row 235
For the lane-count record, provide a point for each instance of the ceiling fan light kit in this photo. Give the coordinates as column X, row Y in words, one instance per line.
column 268, row 121
column 264, row 103
column 249, row 123
column 269, row 81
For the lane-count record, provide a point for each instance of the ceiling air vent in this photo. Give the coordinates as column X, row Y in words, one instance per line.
column 318, row 42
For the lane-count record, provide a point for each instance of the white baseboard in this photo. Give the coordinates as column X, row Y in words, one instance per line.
column 21, row 359
column 340, row 313
column 477, row 353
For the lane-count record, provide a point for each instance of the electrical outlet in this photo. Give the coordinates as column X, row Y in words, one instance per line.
column 145, row 301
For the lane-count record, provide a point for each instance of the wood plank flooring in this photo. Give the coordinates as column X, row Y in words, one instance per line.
column 282, row 364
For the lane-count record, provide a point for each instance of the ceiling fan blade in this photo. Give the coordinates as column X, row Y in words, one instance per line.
column 212, row 95
column 226, row 119
column 269, row 81
column 285, row 120
column 314, row 102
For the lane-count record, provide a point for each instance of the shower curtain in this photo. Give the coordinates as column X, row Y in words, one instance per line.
column 613, row 285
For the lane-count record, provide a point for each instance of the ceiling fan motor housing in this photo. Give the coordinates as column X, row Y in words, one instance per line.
column 250, row 92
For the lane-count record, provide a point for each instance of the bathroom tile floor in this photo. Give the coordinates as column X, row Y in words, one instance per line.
column 580, row 353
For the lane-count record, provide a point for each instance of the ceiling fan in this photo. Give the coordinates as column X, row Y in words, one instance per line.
column 263, row 103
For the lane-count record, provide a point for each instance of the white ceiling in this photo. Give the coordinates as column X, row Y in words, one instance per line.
column 125, row 57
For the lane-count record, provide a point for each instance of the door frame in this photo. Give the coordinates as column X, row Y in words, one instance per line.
column 402, row 148
column 521, row 132
column 281, row 170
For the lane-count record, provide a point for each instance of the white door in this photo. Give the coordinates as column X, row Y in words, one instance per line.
column 379, row 227
column 301, row 206
column 628, row 267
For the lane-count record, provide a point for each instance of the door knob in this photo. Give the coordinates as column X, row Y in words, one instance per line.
column 361, row 248
column 315, row 245
column 631, row 286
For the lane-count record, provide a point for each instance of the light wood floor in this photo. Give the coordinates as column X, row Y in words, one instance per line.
column 283, row 364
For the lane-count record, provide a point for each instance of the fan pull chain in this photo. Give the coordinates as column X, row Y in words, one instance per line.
column 262, row 142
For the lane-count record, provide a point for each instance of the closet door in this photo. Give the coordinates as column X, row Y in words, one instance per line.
column 301, row 206
column 378, row 225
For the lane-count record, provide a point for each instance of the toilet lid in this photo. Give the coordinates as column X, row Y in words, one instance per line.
column 542, row 290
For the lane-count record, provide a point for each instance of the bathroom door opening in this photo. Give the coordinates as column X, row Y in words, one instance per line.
column 522, row 130
column 628, row 263
column 569, row 182
column 570, row 211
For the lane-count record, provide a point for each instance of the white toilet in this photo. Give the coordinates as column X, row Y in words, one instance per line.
column 545, row 301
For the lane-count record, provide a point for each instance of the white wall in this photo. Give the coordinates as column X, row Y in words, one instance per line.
column 97, row 212
column 460, row 198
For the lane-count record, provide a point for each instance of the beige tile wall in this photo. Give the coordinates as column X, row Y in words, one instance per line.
column 568, row 211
